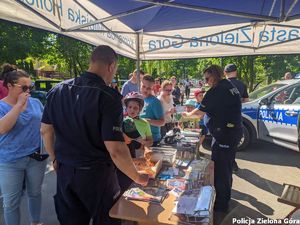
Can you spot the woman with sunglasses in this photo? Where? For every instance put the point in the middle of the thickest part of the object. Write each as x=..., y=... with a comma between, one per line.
x=222, y=104
x=166, y=100
x=20, y=119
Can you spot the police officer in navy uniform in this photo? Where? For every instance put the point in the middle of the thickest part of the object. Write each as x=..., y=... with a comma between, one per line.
x=81, y=129
x=230, y=72
x=222, y=104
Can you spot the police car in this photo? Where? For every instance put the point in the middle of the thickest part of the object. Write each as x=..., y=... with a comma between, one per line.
x=272, y=114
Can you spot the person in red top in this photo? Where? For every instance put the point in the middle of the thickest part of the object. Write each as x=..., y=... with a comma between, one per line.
x=3, y=90
x=156, y=87
x=5, y=68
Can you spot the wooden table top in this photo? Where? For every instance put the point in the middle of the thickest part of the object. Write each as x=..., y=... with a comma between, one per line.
x=152, y=213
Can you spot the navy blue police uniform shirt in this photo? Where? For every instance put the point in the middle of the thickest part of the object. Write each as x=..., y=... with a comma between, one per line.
x=222, y=104
x=240, y=86
x=84, y=112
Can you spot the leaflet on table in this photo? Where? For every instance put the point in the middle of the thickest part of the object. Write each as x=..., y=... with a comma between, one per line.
x=171, y=171
x=178, y=183
x=182, y=163
x=195, y=203
x=205, y=199
x=148, y=194
x=199, y=164
x=186, y=133
x=176, y=192
x=189, y=141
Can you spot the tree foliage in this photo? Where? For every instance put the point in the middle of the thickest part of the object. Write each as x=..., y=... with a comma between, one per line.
x=18, y=42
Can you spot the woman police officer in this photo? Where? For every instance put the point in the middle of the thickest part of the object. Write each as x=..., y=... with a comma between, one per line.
x=222, y=104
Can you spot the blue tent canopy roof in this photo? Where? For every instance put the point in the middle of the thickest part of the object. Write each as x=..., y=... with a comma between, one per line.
x=163, y=17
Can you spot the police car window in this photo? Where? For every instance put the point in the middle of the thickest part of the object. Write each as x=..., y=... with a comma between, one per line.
x=263, y=91
x=290, y=95
x=296, y=96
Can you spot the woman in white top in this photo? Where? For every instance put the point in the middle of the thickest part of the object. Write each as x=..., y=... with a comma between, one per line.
x=166, y=100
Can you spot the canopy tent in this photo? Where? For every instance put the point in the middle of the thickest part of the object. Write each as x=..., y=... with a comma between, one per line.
x=168, y=29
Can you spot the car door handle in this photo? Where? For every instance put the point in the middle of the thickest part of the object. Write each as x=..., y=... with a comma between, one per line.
x=291, y=113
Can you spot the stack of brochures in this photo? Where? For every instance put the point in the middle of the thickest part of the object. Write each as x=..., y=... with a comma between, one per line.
x=195, y=203
x=147, y=194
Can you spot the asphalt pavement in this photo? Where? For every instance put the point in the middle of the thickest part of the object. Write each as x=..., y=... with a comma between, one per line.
x=263, y=168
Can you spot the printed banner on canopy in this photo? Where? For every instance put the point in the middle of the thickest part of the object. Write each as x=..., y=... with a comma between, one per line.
x=65, y=14
x=230, y=40
x=212, y=41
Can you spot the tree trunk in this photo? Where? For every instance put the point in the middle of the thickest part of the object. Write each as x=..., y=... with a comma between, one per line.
x=251, y=72
x=80, y=66
x=70, y=69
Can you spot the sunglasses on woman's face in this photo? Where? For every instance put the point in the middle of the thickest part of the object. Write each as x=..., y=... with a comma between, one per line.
x=25, y=87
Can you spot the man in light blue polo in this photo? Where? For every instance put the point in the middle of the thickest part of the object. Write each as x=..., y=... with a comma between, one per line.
x=132, y=84
x=153, y=111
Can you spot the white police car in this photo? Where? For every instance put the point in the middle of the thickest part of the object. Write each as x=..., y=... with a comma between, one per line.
x=272, y=114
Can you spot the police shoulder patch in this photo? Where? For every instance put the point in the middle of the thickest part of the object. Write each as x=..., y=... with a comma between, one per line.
x=118, y=129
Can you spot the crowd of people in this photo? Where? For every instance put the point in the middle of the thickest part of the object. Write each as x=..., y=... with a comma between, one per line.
x=82, y=129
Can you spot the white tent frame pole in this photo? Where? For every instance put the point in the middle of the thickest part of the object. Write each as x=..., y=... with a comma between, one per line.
x=270, y=13
x=212, y=10
x=282, y=6
x=274, y=44
x=290, y=9
x=116, y=16
x=176, y=5
x=104, y=25
x=272, y=7
x=293, y=17
x=103, y=31
x=62, y=30
x=284, y=25
x=138, y=60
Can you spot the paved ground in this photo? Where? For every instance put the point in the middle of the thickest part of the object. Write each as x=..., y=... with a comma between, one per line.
x=264, y=168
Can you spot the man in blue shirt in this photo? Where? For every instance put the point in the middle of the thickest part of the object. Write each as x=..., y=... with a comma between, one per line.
x=153, y=110
x=131, y=85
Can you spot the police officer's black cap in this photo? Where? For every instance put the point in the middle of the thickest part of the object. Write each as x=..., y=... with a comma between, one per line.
x=230, y=68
